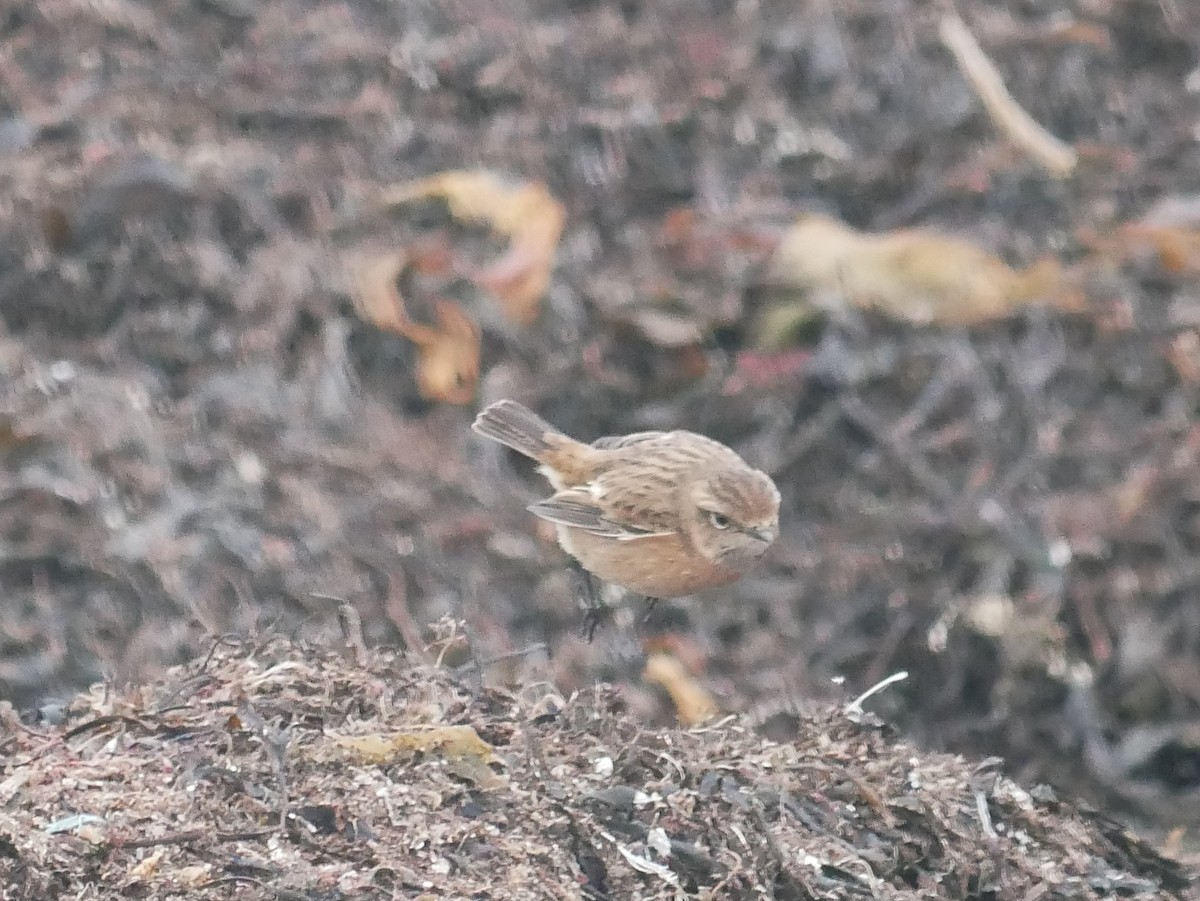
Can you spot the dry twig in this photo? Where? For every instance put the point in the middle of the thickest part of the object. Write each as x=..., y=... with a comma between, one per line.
x=1055, y=155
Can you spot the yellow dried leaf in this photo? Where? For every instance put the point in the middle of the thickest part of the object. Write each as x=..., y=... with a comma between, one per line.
x=371, y=748
x=448, y=368
x=524, y=212
x=193, y=876
x=92, y=834
x=146, y=868
x=693, y=705
x=466, y=754
x=911, y=274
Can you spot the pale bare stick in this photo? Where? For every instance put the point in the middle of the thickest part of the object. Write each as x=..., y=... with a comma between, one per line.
x=1017, y=125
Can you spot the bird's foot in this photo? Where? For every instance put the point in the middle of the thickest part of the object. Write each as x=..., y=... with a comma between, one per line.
x=595, y=611
x=651, y=603
x=592, y=618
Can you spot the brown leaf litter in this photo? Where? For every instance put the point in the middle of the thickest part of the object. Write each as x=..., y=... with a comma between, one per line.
x=524, y=212
x=909, y=274
x=448, y=367
x=272, y=771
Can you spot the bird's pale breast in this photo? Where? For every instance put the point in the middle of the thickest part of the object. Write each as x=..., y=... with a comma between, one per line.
x=661, y=566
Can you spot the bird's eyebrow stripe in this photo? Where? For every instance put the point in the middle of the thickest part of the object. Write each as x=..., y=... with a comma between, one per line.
x=726, y=490
x=732, y=490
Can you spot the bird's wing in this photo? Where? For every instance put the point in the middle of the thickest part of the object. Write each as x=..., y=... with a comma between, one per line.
x=612, y=442
x=577, y=508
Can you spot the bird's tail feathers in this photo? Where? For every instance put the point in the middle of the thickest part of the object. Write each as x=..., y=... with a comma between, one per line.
x=518, y=427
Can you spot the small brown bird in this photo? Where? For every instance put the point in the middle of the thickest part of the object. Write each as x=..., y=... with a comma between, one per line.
x=662, y=514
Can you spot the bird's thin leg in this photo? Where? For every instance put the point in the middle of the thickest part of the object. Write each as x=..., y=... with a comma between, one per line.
x=584, y=587
x=592, y=618
x=651, y=603
x=594, y=610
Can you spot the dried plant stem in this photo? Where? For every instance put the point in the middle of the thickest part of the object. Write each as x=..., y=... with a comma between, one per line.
x=1056, y=156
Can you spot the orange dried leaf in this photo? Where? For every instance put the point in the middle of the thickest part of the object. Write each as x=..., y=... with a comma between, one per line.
x=524, y=212
x=146, y=868
x=693, y=705
x=373, y=288
x=448, y=368
x=1169, y=231
x=1177, y=247
x=913, y=275
x=683, y=648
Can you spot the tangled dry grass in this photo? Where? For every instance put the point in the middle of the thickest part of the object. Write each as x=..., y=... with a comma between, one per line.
x=275, y=771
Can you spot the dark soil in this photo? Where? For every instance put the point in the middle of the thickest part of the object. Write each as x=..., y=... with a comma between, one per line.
x=198, y=435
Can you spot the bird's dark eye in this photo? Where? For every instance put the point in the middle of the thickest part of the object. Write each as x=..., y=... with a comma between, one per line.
x=718, y=520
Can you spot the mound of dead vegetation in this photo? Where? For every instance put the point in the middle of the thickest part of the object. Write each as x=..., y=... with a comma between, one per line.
x=276, y=771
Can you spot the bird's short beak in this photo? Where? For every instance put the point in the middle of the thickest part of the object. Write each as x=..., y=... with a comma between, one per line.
x=766, y=535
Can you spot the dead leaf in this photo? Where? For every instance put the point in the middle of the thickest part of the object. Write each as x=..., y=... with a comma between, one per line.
x=146, y=868
x=466, y=754
x=1177, y=247
x=193, y=876
x=914, y=275
x=448, y=369
x=693, y=705
x=1172, y=845
x=1183, y=352
x=1168, y=231
x=524, y=212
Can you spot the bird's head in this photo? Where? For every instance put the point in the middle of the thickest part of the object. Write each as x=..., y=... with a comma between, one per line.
x=731, y=516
